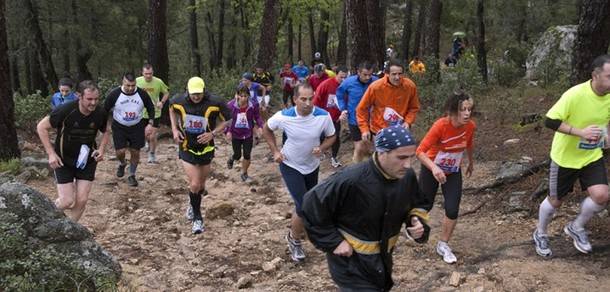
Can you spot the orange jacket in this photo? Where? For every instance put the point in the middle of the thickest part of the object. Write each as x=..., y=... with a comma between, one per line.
x=387, y=104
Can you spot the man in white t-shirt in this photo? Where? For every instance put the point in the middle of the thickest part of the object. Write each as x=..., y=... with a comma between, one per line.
x=299, y=158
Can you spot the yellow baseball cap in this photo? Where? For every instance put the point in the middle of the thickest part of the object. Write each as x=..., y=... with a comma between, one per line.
x=195, y=85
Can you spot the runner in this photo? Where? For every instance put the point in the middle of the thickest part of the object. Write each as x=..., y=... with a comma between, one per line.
x=318, y=76
x=154, y=87
x=356, y=215
x=74, y=156
x=265, y=79
x=441, y=152
x=301, y=70
x=197, y=117
x=64, y=94
x=256, y=90
x=129, y=128
x=326, y=99
x=243, y=115
x=289, y=81
x=389, y=101
x=417, y=67
x=349, y=94
x=299, y=159
x=580, y=121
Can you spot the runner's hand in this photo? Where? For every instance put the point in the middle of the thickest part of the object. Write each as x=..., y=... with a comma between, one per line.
x=178, y=137
x=148, y=130
x=343, y=116
x=229, y=136
x=591, y=133
x=469, y=169
x=366, y=136
x=98, y=155
x=160, y=104
x=439, y=175
x=417, y=229
x=278, y=157
x=316, y=151
x=152, y=133
x=55, y=161
x=344, y=249
x=406, y=126
x=205, y=138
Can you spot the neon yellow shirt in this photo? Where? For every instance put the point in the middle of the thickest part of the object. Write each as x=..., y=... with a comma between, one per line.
x=580, y=107
x=154, y=88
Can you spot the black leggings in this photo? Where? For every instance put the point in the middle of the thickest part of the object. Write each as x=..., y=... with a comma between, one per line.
x=452, y=191
x=337, y=144
x=238, y=144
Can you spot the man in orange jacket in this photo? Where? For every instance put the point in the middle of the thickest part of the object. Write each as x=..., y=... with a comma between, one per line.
x=388, y=101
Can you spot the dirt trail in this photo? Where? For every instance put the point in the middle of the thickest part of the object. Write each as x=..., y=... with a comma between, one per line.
x=145, y=229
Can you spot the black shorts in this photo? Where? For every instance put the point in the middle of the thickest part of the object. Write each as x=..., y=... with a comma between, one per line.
x=354, y=131
x=191, y=158
x=129, y=137
x=287, y=96
x=561, y=179
x=67, y=174
x=157, y=122
x=452, y=191
x=239, y=144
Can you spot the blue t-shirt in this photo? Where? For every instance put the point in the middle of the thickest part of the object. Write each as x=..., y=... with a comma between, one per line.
x=350, y=93
x=57, y=99
x=301, y=71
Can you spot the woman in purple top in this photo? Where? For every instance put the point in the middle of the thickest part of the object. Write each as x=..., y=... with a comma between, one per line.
x=243, y=115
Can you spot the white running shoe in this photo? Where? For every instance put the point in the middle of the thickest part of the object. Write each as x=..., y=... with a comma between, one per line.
x=542, y=244
x=295, y=247
x=197, y=227
x=445, y=251
x=581, y=240
x=189, y=213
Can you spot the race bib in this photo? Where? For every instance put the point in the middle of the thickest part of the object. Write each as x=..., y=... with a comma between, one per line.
x=287, y=80
x=449, y=162
x=241, y=122
x=195, y=124
x=392, y=117
x=590, y=144
x=332, y=101
x=130, y=116
x=252, y=94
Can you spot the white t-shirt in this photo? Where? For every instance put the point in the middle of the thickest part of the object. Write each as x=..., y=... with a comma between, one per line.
x=303, y=135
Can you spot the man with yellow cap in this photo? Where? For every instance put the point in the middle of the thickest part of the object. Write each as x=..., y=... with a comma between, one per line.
x=197, y=117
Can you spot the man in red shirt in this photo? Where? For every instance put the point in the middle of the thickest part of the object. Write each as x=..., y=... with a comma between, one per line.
x=289, y=81
x=325, y=98
x=317, y=77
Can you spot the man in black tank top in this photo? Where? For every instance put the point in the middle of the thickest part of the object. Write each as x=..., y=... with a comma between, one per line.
x=75, y=154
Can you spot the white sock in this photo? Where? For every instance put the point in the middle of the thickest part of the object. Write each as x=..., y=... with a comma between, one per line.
x=588, y=208
x=545, y=215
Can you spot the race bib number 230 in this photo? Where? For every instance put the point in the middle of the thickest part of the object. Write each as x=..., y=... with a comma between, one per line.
x=449, y=162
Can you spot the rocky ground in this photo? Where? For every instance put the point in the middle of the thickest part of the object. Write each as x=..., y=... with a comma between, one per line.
x=243, y=246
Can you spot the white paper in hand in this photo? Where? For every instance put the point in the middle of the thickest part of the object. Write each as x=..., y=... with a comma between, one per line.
x=83, y=156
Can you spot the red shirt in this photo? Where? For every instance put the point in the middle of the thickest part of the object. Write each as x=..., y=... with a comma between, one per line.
x=288, y=79
x=315, y=81
x=326, y=99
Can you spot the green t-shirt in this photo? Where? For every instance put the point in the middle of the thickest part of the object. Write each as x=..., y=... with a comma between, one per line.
x=580, y=107
x=154, y=88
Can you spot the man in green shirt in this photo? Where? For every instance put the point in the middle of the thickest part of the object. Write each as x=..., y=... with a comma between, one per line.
x=154, y=87
x=580, y=119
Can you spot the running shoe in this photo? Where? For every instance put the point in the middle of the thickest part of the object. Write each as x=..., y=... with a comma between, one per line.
x=197, y=227
x=445, y=251
x=189, y=213
x=230, y=163
x=334, y=162
x=120, y=172
x=152, y=159
x=295, y=247
x=542, y=244
x=581, y=241
x=132, y=181
x=245, y=178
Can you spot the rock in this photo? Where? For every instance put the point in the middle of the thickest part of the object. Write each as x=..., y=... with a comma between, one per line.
x=36, y=162
x=220, y=272
x=481, y=271
x=603, y=214
x=454, y=279
x=510, y=142
x=552, y=53
x=530, y=118
x=27, y=146
x=479, y=289
x=515, y=202
x=271, y=265
x=24, y=176
x=244, y=282
x=220, y=210
x=510, y=170
x=30, y=224
x=249, y=202
x=526, y=159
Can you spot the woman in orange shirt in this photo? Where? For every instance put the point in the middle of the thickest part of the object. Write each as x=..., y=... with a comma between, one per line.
x=441, y=152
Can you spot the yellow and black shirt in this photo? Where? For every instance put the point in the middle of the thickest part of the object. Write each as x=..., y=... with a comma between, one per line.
x=199, y=118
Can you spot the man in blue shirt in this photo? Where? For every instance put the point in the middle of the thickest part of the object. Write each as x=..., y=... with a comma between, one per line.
x=349, y=94
x=301, y=70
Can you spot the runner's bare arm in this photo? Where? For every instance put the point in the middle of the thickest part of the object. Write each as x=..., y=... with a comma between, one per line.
x=470, y=167
x=178, y=137
x=270, y=138
x=43, y=128
x=437, y=172
x=99, y=153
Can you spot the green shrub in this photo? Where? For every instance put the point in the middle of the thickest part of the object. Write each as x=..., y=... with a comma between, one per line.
x=12, y=166
x=29, y=110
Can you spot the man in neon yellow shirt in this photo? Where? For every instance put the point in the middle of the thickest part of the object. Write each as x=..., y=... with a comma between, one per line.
x=580, y=118
x=154, y=87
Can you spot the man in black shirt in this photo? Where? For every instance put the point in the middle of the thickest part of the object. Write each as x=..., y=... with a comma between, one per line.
x=74, y=156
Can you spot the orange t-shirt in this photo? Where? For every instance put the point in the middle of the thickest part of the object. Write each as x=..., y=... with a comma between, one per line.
x=448, y=143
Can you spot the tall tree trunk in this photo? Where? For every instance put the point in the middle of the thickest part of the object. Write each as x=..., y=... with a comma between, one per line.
x=232, y=47
x=376, y=24
x=8, y=134
x=221, y=32
x=521, y=31
x=194, y=39
x=421, y=18
x=342, y=47
x=481, y=51
x=211, y=40
x=433, y=38
x=323, y=35
x=245, y=31
x=268, y=38
x=299, y=43
x=65, y=51
x=83, y=53
x=29, y=83
x=40, y=45
x=290, y=38
x=592, y=38
x=357, y=31
x=312, y=34
x=38, y=81
x=14, y=75
x=406, y=29
x=157, y=38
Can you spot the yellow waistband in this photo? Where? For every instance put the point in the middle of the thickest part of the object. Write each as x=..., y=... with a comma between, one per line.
x=367, y=247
